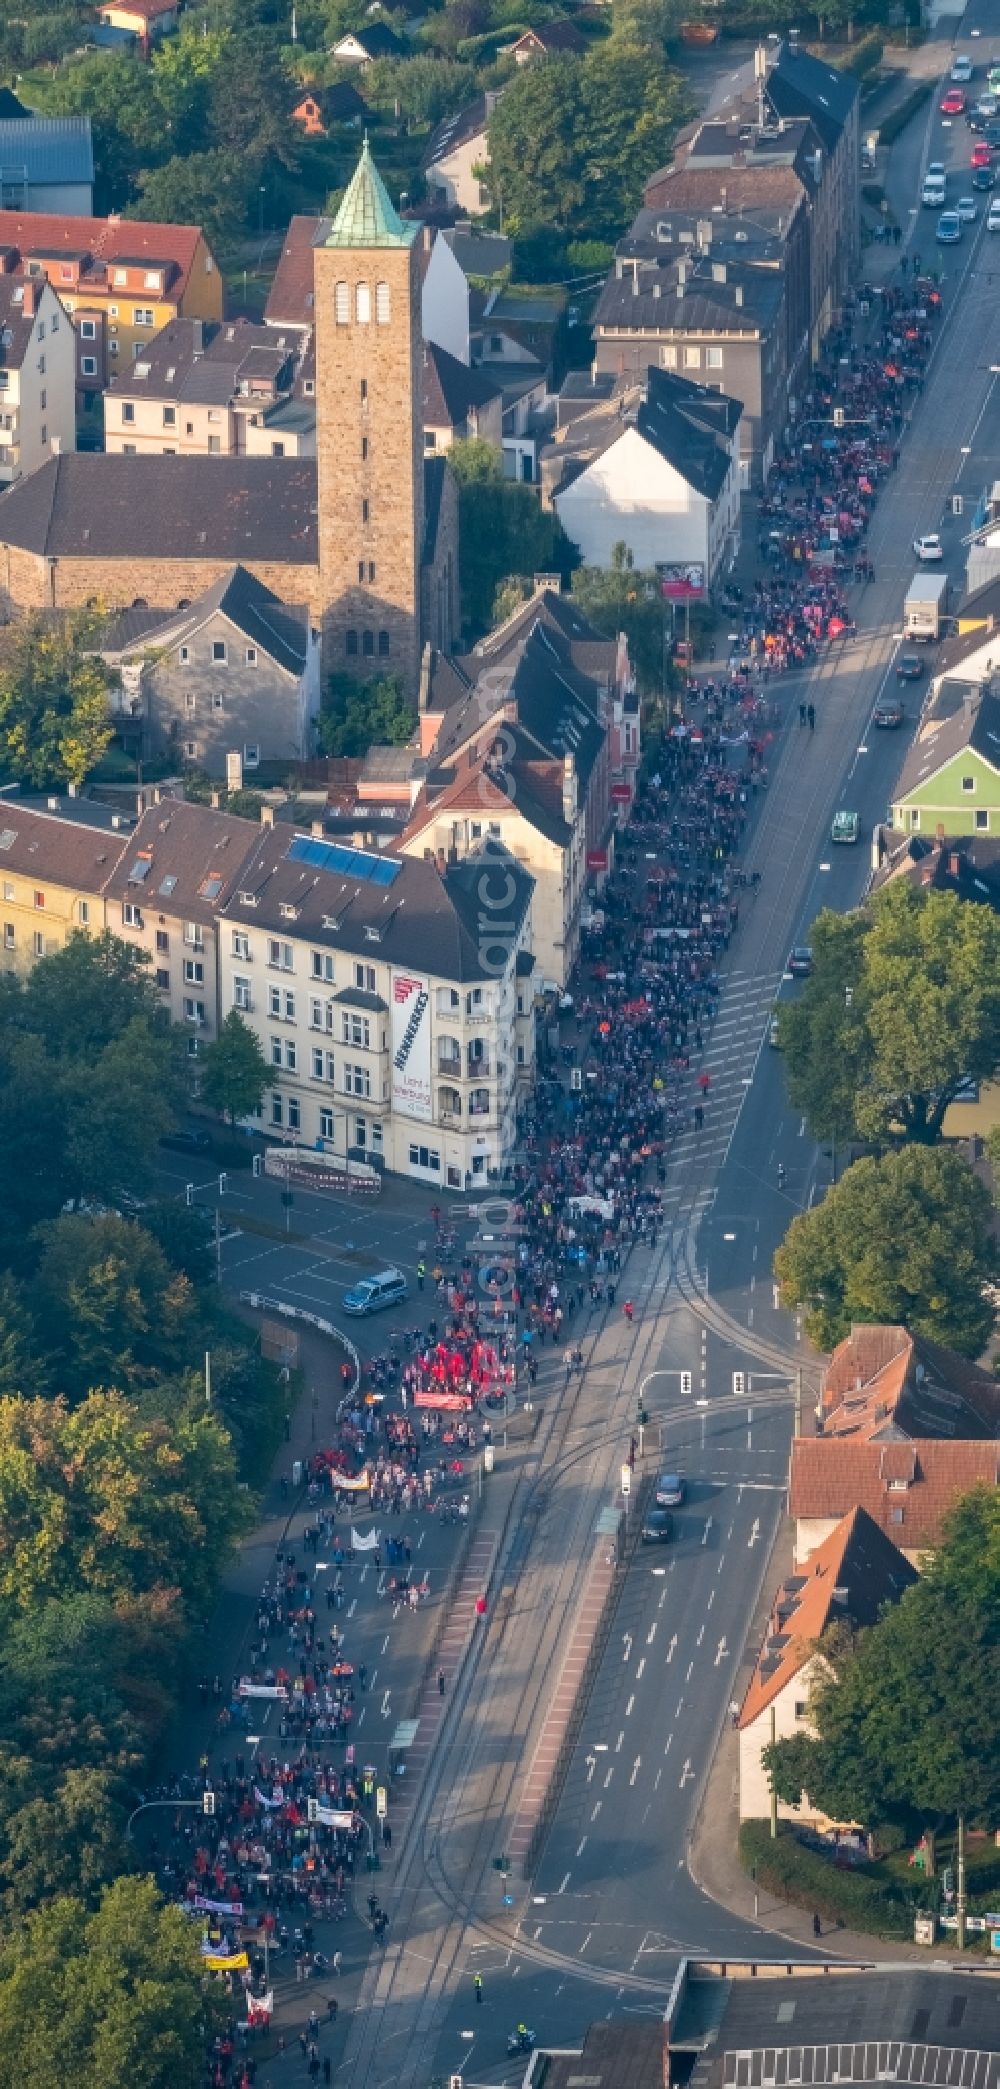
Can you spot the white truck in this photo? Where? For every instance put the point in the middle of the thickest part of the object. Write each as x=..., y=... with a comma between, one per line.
x=925, y=607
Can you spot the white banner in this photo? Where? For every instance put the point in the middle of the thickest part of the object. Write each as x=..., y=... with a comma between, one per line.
x=328, y=1819
x=216, y=1907
x=348, y=1485
x=247, y=1689
x=263, y=1800
x=366, y=1544
x=411, y=1047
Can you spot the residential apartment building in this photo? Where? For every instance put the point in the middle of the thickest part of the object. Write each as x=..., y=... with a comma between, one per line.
x=950, y=780
x=455, y=162
x=37, y=391
x=121, y=280
x=53, y=870
x=848, y=1580
x=458, y=403
x=654, y=467
x=907, y=1487
x=392, y=1001
x=227, y=390
x=164, y=895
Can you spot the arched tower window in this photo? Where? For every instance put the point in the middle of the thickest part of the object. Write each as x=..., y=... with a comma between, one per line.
x=342, y=304
x=383, y=304
x=362, y=303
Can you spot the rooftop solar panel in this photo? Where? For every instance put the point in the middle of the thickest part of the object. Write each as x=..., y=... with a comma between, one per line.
x=351, y=863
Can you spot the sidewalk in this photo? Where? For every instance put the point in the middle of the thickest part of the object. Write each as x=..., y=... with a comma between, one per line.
x=713, y=1860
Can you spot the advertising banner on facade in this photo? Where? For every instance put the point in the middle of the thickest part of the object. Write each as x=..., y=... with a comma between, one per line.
x=682, y=583
x=411, y=1047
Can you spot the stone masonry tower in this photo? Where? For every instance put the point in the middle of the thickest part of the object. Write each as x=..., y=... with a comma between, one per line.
x=369, y=434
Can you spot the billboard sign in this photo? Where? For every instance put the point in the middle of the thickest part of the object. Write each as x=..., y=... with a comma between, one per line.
x=411, y=1047
x=685, y=583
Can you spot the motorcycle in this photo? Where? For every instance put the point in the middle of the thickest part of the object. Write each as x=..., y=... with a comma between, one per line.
x=521, y=2042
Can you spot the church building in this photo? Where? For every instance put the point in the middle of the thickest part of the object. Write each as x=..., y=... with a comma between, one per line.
x=364, y=538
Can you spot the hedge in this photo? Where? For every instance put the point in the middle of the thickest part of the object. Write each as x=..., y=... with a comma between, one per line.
x=854, y=1897
x=899, y=117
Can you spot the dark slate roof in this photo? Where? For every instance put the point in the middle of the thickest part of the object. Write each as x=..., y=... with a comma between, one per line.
x=453, y=131
x=452, y=390
x=691, y=428
x=336, y=104
x=974, y=725
x=183, y=857
x=205, y=364
x=420, y=920
x=754, y=237
x=278, y=629
x=16, y=326
x=95, y=506
x=748, y=301
x=478, y=253
x=378, y=39
x=560, y=35
x=927, y=2011
x=49, y=150
x=966, y=864
x=78, y=851
x=11, y=110
x=359, y=997
x=800, y=85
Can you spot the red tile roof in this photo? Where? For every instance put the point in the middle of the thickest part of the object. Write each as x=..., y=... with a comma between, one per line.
x=851, y=1576
x=883, y=1382
x=830, y=1475
x=103, y=239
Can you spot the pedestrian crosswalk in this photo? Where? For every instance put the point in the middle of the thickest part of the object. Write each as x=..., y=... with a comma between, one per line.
x=732, y=1049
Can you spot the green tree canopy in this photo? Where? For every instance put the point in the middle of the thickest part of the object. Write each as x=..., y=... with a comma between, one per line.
x=234, y=1071
x=99, y=1497
x=906, y=1714
x=212, y=189
x=905, y=1239
x=123, y=1315
x=503, y=530
x=902, y=1008
x=622, y=599
x=426, y=88
x=358, y=715
x=572, y=141
x=55, y=716
x=111, y=2000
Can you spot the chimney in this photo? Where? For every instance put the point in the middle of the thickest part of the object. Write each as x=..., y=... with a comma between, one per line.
x=738, y=293
x=29, y=298
x=267, y=815
x=718, y=271
x=491, y=98
x=316, y=830
x=197, y=337
x=704, y=232
x=939, y=832
x=427, y=237
x=954, y=864
x=215, y=800
x=569, y=794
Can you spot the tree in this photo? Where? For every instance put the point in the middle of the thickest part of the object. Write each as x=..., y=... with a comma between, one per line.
x=648, y=24
x=624, y=600
x=358, y=715
x=426, y=88
x=572, y=141
x=86, y=996
x=234, y=1071
x=20, y=1370
x=55, y=717
x=101, y=1498
x=905, y=1239
x=119, y=1315
x=210, y=189
x=118, y=93
x=906, y=1713
x=903, y=1007
x=111, y=2000
x=503, y=530
x=184, y=1233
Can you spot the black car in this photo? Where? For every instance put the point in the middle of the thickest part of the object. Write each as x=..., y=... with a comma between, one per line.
x=190, y=1139
x=657, y=1527
x=889, y=712
x=909, y=667
x=983, y=178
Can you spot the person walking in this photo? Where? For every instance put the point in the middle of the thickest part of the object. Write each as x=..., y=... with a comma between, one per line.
x=421, y=1273
x=811, y=715
x=477, y=1982
x=440, y=1682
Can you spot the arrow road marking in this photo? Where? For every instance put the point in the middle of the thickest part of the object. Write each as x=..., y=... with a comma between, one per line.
x=670, y=1649
x=708, y=1527
x=627, y=1636
x=723, y=1651
x=636, y=1767
x=591, y=1761
x=385, y=1704
x=754, y=1533
x=687, y=1773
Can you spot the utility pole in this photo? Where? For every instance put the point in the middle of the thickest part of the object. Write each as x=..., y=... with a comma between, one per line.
x=208, y=1378
x=960, y=1882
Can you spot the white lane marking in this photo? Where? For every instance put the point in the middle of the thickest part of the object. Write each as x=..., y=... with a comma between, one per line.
x=754, y=1533
x=609, y=1776
x=636, y=1767
x=670, y=1649
x=618, y=1743
x=638, y=1673
x=656, y=1779
x=667, y=1748
x=711, y=1598
x=707, y=1528
x=628, y=1708
x=385, y=1642
x=687, y=1678
x=565, y=1883
x=700, y=1637
x=583, y=1845
x=627, y=1636
x=586, y=1940
x=651, y=1634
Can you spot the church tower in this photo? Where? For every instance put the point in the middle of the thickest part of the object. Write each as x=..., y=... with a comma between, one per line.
x=369, y=433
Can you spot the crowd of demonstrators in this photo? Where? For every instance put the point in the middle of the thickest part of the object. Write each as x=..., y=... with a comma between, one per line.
x=621, y=1076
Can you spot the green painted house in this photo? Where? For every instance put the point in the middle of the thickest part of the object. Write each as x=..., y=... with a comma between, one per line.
x=950, y=779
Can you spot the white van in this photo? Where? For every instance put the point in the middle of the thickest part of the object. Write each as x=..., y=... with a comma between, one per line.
x=932, y=194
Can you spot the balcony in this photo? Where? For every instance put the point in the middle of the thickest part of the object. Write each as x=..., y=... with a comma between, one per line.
x=449, y=1105
x=480, y=1103
x=479, y=1063
x=449, y=1061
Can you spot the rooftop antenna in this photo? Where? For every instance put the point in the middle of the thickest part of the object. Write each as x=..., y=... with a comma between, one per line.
x=760, y=75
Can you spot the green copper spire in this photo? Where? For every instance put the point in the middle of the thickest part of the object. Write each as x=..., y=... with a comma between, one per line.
x=367, y=217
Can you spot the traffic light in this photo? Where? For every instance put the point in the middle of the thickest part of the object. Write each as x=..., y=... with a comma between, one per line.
x=739, y=1383
x=501, y=1864
x=687, y=1381
x=223, y=1179
x=312, y=1809
x=258, y=1164
x=838, y=416
x=189, y=1193
x=208, y=1802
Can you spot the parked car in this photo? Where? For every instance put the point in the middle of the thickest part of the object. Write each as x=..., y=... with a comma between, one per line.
x=889, y=712
x=909, y=667
x=187, y=1139
x=846, y=826
x=657, y=1527
x=928, y=549
x=949, y=229
x=774, y=1034
x=388, y=1288
x=800, y=961
x=670, y=1490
